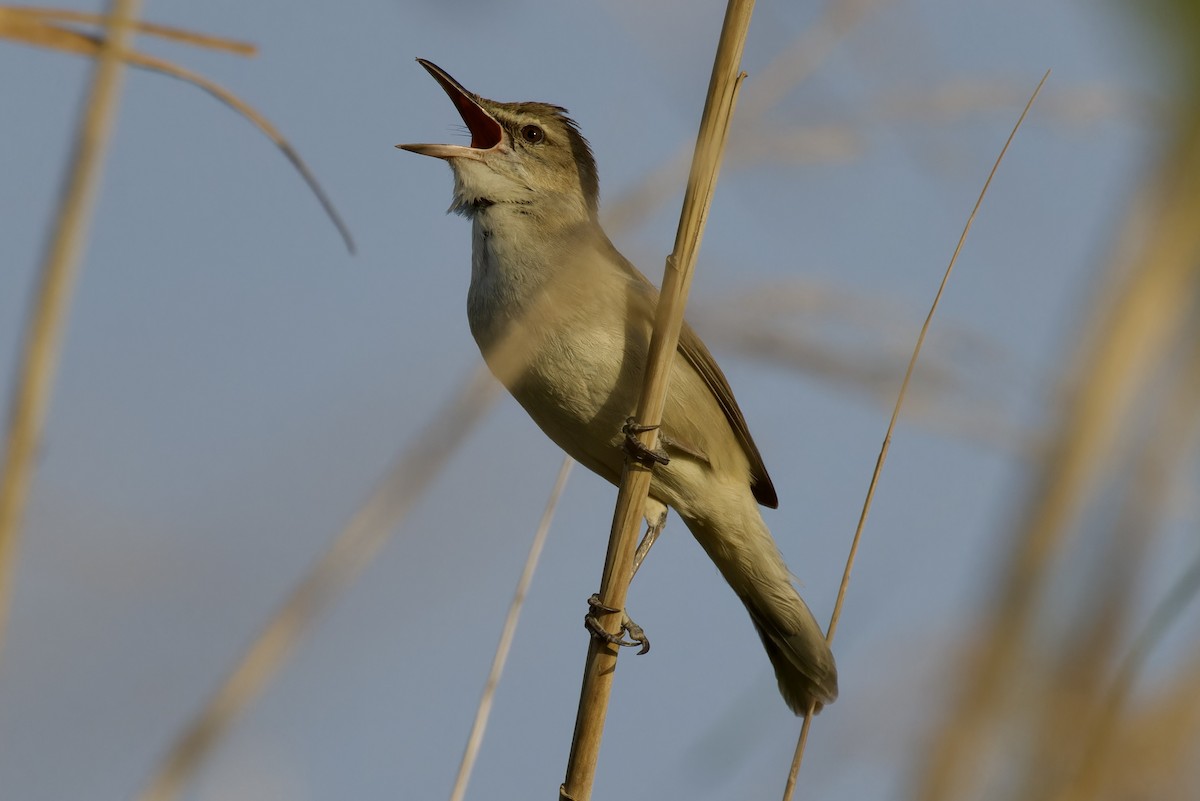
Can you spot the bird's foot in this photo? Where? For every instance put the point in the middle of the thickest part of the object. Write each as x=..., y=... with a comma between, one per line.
x=637, y=636
x=636, y=449
x=653, y=529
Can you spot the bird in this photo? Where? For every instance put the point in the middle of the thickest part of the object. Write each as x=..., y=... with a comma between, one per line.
x=545, y=275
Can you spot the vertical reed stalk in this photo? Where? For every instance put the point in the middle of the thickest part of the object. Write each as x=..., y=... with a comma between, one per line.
x=797, y=759
x=48, y=316
x=635, y=480
x=507, y=634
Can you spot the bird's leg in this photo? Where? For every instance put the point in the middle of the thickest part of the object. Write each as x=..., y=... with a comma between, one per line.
x=637, y=637
x=653, y=529
x=636, y=450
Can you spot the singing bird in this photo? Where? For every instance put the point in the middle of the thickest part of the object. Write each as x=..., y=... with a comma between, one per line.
x=544, y=274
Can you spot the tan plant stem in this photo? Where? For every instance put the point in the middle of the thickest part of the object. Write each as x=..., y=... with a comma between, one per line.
x=30, y=27
x=635, y=481
x=479, y=727
x=47, y=321
x=16, y=16
x=351, y=551
x=790, y=787
x=1147, y=303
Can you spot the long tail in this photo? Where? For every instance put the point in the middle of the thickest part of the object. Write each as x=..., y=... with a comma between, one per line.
x=747, y=557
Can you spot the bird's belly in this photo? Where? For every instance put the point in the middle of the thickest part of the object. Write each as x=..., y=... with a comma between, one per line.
x=582, y=359
x=579, y=389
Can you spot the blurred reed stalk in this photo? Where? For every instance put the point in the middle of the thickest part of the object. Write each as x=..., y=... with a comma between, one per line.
x=635, y=479
x=789, y=69
x=265, y=657
x=366, y=532
x=507, y=633
x=369, y=528
x=1049, y=696
x=797, y=759
x=44, y=331
x=48, y=318
x=54, y=29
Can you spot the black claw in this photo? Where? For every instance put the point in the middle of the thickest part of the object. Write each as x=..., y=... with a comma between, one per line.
x=637, y=450
x=637, y=636
x=593, y=625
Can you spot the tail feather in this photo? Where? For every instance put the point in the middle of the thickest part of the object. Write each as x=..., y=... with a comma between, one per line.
x=744, y=551
x=803, y=663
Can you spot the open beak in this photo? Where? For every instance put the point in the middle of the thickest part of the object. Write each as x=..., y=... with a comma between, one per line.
x=486, y=133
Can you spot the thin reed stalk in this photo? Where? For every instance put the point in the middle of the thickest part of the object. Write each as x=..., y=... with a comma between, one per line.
x=1145, y=307
x=797, y=759
x=484, y=710
x=26, y=17
x=40, y=28
x=47, y=322
x=350, y=552
x=635, y=480
x=786, y=71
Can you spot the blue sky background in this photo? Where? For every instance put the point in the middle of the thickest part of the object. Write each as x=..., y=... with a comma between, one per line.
x=233, y=384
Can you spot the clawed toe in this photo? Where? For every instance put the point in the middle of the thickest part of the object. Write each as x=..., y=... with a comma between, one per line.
x=637, y=635
x=637, y=450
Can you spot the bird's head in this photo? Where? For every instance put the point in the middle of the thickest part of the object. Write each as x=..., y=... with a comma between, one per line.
x=527, y=154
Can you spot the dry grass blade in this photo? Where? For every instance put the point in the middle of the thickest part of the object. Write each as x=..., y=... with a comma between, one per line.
x=1085, y=720
x=1078, y=709
x=340, y=565
x=635, y=480
x=14, y=17
x=260, y=122
x=1099, y=744
x=350, y=552
x=1145, y=309
x=47, y=321
x=27, y=29
x=479, y=726
x=1157, y=745
x=790, y=787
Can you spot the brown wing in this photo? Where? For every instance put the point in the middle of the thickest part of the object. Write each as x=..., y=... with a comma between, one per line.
x=697, y=355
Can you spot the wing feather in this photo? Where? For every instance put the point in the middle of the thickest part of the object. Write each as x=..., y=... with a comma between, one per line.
x=693, y=349
x=701, y=360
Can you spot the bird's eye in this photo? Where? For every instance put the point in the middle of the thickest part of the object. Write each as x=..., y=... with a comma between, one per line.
x=532, y=134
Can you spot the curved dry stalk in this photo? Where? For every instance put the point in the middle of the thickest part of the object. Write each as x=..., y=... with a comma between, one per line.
x=27, y=29
x=479, y=726
x=16, y=15
x=337, y=568
x=47, y=320
x=635, y=479
x=263, y=125
x=340, y=565
x=1144, y=308
x=790, y=787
